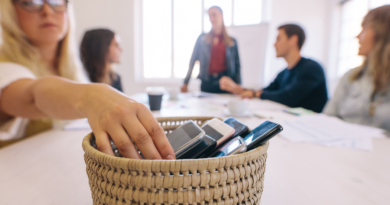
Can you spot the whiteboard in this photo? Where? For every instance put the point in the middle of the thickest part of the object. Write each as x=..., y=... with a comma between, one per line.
x=252, y=43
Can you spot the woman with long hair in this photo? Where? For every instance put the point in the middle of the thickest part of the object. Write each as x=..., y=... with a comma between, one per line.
x=363, y=94
x=99, y=50
x=41, y=78
x=217, y=53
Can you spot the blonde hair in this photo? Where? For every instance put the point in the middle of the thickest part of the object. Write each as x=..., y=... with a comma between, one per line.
x=17, y=48
x=210, y=35
x=378, y=61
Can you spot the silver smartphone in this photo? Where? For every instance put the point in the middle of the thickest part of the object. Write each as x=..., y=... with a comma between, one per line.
x=185, y=137
x=235, y=146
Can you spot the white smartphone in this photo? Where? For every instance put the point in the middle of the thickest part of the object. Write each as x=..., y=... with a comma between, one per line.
x=218, y=130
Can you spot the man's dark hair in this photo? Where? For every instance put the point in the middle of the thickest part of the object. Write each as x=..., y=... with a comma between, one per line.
x=293, y=29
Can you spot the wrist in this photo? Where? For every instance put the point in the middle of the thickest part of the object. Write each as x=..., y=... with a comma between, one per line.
x=239, y=90
x=86, y=93
x=257, y=94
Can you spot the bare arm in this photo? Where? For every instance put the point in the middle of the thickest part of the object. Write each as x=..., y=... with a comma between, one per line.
x=227, y=84
x=110, y=113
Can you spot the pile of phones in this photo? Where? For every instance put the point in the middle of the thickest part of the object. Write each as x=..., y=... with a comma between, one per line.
x=218, y=138
x=215, y=138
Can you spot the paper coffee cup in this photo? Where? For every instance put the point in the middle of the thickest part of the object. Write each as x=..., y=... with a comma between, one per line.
x=155, y=95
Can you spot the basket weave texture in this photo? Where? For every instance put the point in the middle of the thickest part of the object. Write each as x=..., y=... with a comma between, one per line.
x=237, y=179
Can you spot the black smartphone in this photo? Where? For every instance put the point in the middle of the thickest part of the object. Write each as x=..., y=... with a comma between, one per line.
x=262, y=134
x=185, y=137
x=205, y=146
x=234, y=146
x=241, y=128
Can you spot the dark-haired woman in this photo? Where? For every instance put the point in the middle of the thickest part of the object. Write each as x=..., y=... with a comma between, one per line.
x=100, y=49
x=217, y=53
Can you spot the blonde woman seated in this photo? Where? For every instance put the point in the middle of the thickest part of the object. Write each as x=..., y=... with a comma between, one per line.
x=41, y=75
x=363, y=94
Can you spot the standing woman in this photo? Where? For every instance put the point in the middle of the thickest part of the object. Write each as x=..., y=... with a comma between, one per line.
x=99, y=50
x=40, y=77
x=217, y=53
x=363, y=94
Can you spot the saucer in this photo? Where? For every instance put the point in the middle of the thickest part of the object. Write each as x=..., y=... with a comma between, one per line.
x=247, y=113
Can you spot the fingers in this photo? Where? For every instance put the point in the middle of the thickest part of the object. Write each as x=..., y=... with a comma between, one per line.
x=157, y=134
x=123, y=142
x=227, y=84
x=247, y=94
x=184, y=89
x=103, y=142
x=222, y=84
x=142, y=139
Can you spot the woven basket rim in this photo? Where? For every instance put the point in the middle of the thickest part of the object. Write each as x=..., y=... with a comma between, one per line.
x=154, y=165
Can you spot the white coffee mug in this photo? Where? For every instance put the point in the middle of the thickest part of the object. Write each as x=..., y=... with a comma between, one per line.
x=238, y=107
x=173, y=93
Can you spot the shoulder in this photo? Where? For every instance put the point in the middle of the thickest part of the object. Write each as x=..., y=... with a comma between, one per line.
x=311, y=65
x=283, y=72
x=347, y=76
x=234, y=41
x=307, y=62
x=8, y=69
x=12, y=72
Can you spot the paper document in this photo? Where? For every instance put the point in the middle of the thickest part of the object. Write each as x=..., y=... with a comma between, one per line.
x=81, y=124
x=329, y=131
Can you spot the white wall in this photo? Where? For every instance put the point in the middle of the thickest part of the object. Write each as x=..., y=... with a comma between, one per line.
x=314, y=15
x=252, y=41
x=118, y=16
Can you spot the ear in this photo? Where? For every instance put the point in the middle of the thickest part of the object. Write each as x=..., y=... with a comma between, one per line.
x=294, y=40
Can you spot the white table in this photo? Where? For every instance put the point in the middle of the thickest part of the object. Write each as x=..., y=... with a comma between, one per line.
x=50, y=169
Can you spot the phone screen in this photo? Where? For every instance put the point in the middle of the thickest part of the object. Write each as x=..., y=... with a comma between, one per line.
x=183, y=135
x=259, y=132
x=212, y=132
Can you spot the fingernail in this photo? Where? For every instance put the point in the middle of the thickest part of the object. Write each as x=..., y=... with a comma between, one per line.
x=170, y=157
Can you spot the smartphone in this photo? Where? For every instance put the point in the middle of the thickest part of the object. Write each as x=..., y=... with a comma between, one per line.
x=262, y=134
x=218, y=130
x=235, y=146
x=205, y=146
x=240, y=128
x=113, y=146
x=185, y=137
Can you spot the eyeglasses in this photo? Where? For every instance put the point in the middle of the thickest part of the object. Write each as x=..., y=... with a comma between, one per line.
x=37, y=5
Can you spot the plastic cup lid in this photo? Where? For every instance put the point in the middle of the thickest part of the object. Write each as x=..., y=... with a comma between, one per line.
x=155, y=90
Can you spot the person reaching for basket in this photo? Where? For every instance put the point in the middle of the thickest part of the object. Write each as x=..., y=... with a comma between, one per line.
x=41, y=77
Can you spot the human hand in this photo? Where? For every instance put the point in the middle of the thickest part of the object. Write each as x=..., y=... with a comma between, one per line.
x=251, y=94
x=184, y=88
x=227, y=84
x=115, y=116
x=247, y=94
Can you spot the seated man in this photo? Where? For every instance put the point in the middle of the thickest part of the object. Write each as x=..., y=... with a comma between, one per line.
x=301, y=84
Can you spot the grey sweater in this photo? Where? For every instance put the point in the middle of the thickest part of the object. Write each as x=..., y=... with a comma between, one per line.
x=352, y=99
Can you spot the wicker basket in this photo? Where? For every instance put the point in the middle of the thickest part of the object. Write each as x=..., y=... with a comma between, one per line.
x=237, y=179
